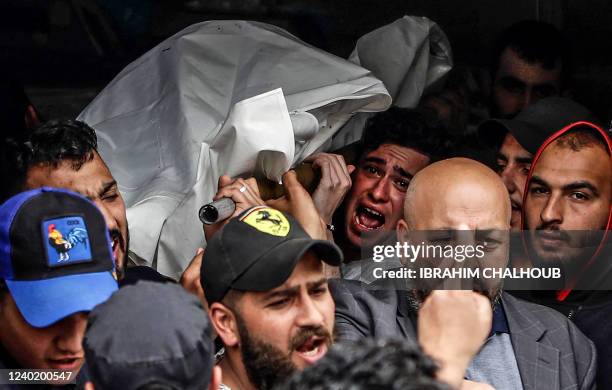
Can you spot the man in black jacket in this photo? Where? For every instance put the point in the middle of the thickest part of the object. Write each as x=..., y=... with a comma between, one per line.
x=568, y=215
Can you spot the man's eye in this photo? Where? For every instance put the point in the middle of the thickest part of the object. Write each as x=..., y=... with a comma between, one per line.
x=489, y=244
x=538, y=190
x=580, y=196
x=318, y=291
x=525, y=170
x=500, y=166
x=512, y=87
x=440, y=240
x=371, y=170
x=402, y=184
x=279, y=303
x=110, y=197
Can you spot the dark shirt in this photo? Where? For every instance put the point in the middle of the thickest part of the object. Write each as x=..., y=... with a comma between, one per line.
x=142, y=272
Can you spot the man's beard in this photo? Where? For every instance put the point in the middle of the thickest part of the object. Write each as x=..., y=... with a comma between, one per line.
x=266, y=365
x=122, y=265
x=579, y=247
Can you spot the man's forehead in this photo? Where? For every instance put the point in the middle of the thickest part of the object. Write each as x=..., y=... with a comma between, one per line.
x=512, y=65
x=468, y=218
x=511, y=147
x=407, y=158
x=91, y=178
x=465, y=207
x=560, y=165
x=307, y=271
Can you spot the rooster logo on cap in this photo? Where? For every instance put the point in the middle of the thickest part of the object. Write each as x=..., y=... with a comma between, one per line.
x=63, y=245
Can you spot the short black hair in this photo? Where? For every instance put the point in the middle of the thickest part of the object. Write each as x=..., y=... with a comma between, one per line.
x=419, y=129
x=581, y=137
x=51, y=144
x=62, y=140
x=535, y=42
x=370, y=364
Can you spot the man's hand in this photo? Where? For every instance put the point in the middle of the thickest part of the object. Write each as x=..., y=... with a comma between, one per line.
x=243, y=192
x=452, y=327
x=190, y=279
x=334, y=184
x=299, y=204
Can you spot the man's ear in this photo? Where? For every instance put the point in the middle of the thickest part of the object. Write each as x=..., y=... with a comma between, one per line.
x=89, y=386
x=215, y=378
x=224, y=322
x=32, y=120
x=402, y=231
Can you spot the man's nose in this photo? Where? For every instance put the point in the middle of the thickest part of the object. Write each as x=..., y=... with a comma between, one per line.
x=309, y=314
x=552, y=211
x=508, y=178
x=71, y=332
x=380, y=191
x=111, y=222
x=528, y=99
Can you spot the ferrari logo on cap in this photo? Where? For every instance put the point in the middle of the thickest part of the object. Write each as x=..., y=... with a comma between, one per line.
x=268, y=221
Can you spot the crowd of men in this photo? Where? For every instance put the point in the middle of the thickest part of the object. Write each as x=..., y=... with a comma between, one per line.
x=281, y=297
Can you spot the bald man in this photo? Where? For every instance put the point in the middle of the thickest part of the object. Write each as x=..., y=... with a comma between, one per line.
x=529, y=346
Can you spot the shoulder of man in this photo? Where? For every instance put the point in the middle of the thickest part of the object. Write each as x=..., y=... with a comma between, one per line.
x=546, y=326
x=362, y=312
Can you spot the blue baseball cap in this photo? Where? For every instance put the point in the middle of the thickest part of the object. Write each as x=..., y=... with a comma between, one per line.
x=55, y=254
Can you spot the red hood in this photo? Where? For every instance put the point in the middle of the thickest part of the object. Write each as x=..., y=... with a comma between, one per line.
x=562, y=294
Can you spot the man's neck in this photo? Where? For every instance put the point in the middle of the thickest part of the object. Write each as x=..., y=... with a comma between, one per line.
x=350, y=251
x=234, y=374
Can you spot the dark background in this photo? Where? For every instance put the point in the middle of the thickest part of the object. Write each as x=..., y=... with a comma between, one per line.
x=65, y=51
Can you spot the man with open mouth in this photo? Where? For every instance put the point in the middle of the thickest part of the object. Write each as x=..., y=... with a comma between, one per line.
x=396, y=144
x=56, y=265
x=63, y=154
x=263, y=278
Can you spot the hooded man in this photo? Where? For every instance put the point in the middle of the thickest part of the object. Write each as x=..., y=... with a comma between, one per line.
x=568, y=216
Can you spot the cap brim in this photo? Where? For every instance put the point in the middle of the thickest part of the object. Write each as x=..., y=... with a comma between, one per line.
x=493, y=131
x=44, y=302
x=275, y=266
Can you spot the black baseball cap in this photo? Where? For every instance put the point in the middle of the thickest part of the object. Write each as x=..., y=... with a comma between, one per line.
x=257, y=251
x=149, y=333
x=55, y=254
x=532, y=126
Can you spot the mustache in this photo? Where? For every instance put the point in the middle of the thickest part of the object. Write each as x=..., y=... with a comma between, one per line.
x=306, y=333
x=552, y=231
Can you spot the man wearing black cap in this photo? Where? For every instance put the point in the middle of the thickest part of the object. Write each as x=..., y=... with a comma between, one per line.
x=165, y=339
x=269, y=301
x=516, y=141
x=56, y=264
